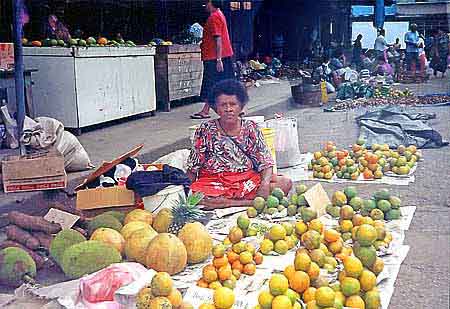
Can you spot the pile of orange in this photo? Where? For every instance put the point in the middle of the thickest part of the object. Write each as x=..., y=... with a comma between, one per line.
x=228, y=265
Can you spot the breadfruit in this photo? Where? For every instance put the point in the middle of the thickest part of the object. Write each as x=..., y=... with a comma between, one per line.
x=88, y=257
x=62, y=241
x=116, y=214
x=16, y=266
x=104, y=220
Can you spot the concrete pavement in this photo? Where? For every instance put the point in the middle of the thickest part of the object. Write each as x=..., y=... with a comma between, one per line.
x=423, y=280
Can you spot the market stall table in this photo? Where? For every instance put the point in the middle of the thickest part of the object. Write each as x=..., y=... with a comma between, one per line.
x=82, y=87
x=179, y=71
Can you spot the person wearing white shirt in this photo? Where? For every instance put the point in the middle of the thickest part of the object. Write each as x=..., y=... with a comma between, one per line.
x=380, y=44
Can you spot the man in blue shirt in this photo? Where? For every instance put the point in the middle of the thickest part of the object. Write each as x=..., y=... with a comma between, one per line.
x=412, y=49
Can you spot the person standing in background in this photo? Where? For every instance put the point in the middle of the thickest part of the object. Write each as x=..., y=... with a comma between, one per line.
x=380, y=44
x=56, y=29
x=357, y=49
x=216, y=52
x=412, y=49
x=422, y=58
x=441, y=52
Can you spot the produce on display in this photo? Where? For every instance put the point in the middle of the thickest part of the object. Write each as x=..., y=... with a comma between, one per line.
x=160, y=293
x=89, y=42
x=87, y=257
x=409, y=100
x=197, y=241
x=278, y=205
x=184, y=211
x=137, y=215
x=110, y=237
x=229, y=264
x=166, y=253
x=136, y=244
x=223, y=298
x=279, y=239
x=33, y=223
x=104, y=220
x=38, y=259
x=62, y=241
x=371, y=164
x=16, y=267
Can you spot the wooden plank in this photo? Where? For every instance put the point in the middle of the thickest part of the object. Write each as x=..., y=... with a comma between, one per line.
x=185, y=76
x=193, y=67
x=184, y=84
x=176, y=48
x=185, y=93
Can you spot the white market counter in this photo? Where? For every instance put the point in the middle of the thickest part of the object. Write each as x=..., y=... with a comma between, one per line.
x=86, y=86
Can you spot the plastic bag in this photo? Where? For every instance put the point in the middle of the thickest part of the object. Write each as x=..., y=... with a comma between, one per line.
x=11, y=128
x=176, y=159
x=101, y=286
x=286, y=141
x=196, y=30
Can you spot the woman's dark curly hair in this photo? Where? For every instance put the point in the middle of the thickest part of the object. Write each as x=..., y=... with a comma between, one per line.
x=228, y=87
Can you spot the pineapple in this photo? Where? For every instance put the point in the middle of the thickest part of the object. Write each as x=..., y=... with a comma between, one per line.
x=184, y=211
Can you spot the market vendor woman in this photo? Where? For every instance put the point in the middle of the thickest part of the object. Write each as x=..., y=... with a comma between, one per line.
x=56, y=29
x=230, y=162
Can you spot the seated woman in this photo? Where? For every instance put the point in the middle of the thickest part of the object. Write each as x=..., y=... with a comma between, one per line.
x=230, y=162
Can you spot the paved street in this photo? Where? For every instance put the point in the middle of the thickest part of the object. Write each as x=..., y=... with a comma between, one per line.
x=423, y=281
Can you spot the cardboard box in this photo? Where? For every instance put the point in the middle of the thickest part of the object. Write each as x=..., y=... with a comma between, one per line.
x=6, y=56
x=40, y=171
x=105, y=197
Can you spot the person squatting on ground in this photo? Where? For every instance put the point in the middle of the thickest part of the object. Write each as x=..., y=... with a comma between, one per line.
x=230, y=162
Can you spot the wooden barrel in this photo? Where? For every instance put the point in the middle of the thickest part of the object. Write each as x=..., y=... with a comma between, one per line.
x=306, y=94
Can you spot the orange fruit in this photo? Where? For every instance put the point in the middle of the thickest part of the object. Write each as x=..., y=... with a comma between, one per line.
x=224, y=273
x=245, y=257
x=236, y=273
x=175, y=298
x=368, y=174
x=335, y=247
x=220, y=262
x=353, y=267
x=302, y=261
x=223, y=298
x=289, y=271
x=355, y=301
x=214, y=285
x=232, y=256
x=218, y=250
x=325, y=297
x=299, y=281
x=309, y=294
x=314, y=271
x=331, y=235
x=209, y=274
x=326, y=169
x=202, y=283
x=258, y=258
x=207, y=306
x=249, y=269
x=237, y=265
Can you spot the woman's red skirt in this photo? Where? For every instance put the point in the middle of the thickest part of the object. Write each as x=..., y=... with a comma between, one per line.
x=230, y=185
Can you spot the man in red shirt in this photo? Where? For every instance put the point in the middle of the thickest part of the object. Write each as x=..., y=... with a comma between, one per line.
x=217, y=54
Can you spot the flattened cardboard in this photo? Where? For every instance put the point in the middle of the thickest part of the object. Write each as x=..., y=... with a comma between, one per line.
x=104, y=198
x=63, y=218
x=317, y=199
x=40, y=171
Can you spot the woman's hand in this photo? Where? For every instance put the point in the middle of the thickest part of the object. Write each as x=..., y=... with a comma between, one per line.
x=219, y=65
x=264, y=189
